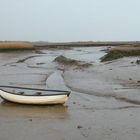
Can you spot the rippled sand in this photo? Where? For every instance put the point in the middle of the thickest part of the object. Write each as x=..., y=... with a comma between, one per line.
x=104, y=103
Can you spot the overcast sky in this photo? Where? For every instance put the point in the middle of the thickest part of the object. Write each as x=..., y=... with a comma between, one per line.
x=70, y=20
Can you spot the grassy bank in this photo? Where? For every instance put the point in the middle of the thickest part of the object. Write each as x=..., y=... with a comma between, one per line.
x=9, y=46
x=120, y=52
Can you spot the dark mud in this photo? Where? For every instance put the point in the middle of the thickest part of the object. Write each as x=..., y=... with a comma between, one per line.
x=71, y=62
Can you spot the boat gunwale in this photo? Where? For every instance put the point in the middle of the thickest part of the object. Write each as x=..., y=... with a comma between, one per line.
x=62, y=91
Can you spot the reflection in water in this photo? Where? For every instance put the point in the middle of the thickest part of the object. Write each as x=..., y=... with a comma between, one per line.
x=8, y=109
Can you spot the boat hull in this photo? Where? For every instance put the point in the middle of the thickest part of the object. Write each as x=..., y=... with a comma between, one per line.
x=42, y=100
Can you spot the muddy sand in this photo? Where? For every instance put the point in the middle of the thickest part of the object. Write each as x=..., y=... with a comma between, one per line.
x=104, y=102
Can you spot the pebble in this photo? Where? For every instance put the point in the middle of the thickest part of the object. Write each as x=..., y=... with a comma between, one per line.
x=30, y=120
x=79, y=126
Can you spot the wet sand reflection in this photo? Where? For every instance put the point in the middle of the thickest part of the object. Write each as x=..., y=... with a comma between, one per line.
x=8, y=109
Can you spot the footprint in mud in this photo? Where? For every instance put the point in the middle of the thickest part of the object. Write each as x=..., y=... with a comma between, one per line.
x=84, y=131
x=40, y=63
x=13, y=65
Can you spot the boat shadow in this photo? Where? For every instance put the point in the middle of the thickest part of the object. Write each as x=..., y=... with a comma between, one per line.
x=33, y=111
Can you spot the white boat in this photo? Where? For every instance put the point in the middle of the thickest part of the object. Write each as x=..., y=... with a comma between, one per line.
x=33, y=96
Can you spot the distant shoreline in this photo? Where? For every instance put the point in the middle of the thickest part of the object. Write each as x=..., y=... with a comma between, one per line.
x=85, y=44
x=15, y=45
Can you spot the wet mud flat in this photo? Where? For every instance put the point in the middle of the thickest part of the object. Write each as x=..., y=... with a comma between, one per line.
x=104, y=101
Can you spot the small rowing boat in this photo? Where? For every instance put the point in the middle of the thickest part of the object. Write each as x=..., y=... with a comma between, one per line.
x=33, y=96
